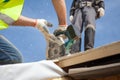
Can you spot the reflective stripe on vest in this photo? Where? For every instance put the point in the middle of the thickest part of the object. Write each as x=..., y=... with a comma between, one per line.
x=6, y=19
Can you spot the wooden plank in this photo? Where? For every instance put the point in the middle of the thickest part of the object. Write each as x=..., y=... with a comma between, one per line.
x=95, y=72
x=89, y=55
x=114, y=77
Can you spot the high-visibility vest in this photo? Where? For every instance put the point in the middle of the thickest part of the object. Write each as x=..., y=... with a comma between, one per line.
x=10, y=10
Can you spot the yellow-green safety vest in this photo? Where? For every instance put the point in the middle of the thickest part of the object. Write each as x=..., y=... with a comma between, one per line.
x=10, y=10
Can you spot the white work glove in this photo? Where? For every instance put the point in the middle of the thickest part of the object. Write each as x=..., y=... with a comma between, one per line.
x=59, y=29
x=71, y=18
x=62, y=28
x=42, y=25
x=101, y=12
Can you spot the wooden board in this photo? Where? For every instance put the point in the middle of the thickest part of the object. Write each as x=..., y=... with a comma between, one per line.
x=95, y=72
x=90, y=55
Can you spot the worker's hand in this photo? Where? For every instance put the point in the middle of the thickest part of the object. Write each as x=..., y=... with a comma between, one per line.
x=59, y=30
x=62, y=28
x=101, y=12
x=42, y=24
x=71, y=18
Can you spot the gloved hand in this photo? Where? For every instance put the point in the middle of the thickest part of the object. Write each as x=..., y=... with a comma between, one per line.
x=101, y=12
x=60, y=29
x=42, y=25
x=71, y=18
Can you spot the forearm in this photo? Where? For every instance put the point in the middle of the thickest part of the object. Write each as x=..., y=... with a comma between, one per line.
x=24, y=21
x=60, y=8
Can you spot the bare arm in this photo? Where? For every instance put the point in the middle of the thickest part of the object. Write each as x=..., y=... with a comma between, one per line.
x=60, y=8
x=24, y=21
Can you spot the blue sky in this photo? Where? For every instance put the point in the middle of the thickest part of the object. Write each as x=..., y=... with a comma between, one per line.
x=31, y=42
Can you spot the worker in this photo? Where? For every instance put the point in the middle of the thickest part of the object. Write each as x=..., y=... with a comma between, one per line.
x=83, y=14
x=10, y=15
